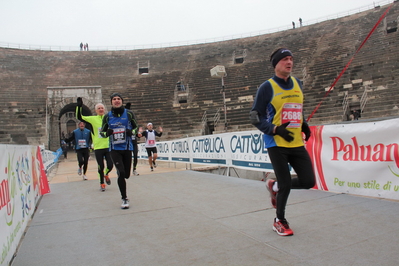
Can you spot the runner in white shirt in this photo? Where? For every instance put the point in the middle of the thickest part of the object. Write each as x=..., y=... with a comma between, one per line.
x=150, y=143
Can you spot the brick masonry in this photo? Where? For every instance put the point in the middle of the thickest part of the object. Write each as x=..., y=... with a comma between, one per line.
x=320, y=50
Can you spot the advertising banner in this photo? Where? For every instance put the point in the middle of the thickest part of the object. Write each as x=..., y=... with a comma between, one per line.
x=22, y=181
x=243, y=150
x=357, y=158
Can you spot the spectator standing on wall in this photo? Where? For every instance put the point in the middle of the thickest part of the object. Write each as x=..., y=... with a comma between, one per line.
x=300, y=22
x=150, y=143
x=87, y=46
x=356, y=114
x=351, y=117
x=82, y=138
x=180, y=86
x=81, y=46
x=293, y=25
x=100, y=144
x=119, y=125
x=277, y=112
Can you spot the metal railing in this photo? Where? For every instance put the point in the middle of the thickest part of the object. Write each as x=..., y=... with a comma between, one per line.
x=345, y=105
x=363, y=100
x=204, y=120
x=216, y=117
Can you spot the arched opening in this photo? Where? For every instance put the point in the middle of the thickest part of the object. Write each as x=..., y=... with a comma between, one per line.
x=68, y=121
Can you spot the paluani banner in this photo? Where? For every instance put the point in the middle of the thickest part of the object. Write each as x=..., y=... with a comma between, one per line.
x=357, y=158
x=22, y=181
x=361, y=158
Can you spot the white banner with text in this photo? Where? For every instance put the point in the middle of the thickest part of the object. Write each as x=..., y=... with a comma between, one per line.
x=358, y=158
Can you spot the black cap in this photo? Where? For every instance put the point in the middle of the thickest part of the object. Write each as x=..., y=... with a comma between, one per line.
x=278, y=55
x=116, y=94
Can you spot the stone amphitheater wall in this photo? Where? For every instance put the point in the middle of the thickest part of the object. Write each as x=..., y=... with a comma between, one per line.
x=147, y=78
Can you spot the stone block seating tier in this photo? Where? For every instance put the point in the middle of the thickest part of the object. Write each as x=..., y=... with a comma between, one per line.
x=321, y=51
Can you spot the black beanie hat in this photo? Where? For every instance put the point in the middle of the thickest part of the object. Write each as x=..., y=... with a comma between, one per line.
x=116, y=94
x=278, y=55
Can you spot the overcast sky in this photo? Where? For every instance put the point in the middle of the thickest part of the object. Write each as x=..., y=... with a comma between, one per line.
x=142, y=22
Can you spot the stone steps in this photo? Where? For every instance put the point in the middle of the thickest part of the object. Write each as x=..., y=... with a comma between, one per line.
x=321, y=51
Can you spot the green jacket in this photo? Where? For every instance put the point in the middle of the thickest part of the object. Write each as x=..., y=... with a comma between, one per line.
x=96, y=122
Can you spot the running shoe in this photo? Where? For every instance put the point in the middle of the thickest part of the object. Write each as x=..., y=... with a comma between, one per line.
x=273, y=194
x=282, y=228
x=154, y=164
x=102, y=187
x=125, y=204
x=152, y=169
x=135, y=172
x=107, y=180
x=80, y=171
x=84, y=177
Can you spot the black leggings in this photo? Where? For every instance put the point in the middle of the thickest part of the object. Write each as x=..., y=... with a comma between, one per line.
x=83, y=158
x=123, y=164
x=102, y=154
x=300, y=161
x=135, y=153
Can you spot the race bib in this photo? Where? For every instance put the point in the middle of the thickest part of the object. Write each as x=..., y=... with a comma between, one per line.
x=82, y=143
x=292, y=112
x=99, y=131
x=119, y=135
x=151, y=142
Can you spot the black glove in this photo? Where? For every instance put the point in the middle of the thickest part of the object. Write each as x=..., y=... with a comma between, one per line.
x=110, y=131
x=284, y=133
x=129, y=132
x=127, y=106
x=306, y=130
x=79, y=102
x=254, y=117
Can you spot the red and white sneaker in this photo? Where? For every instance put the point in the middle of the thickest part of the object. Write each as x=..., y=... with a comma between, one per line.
x=107, y=180
x=273, y=194
x=282, y=228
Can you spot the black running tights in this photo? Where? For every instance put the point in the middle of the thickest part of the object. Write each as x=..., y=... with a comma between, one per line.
x=300, y=161
x=123, y=163
x=83, y=158
x=135, y=154
x=102, y=154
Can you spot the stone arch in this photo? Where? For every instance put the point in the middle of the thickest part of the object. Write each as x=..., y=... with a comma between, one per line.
x=63, y=112
x=62, y=107
x=69, y=104
x=67, y=114
x=70, y=126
